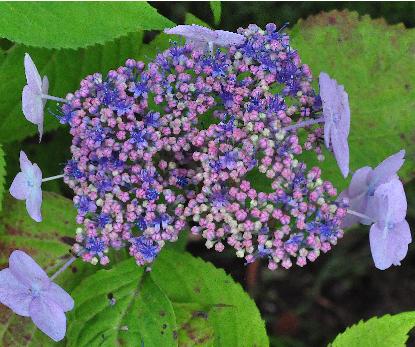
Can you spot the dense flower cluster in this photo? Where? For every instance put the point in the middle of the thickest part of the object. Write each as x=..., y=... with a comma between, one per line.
x=188, y=140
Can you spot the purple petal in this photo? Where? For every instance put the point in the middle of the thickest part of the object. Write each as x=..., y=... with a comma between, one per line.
x=32, y=106
x=389, y=203
x=343, y=110
x=25, y=164
x=45, y=88
x=14, y=294
x=48, y=317
x=359, y=182
x=387, y=169
x=19, y=189
x=58, y=295
x=32, y=75
x=228, y=38
x=193, y=32
x=389, y=246
x=34, y=204
x=26, y=270
x=357, y=204
x=341, y=151
x=327, y=132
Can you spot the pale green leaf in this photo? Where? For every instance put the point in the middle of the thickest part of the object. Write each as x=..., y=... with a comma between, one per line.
x=75, y=24
x=375, y=63
x=216, y=8
x=64, y=68
x=386, y=331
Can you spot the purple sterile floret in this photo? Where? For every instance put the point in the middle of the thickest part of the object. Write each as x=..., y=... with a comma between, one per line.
x=364, y=183
x=27, y=290
x=336, y=112
x=27, y=186
x=33, y=102
x=390, y=234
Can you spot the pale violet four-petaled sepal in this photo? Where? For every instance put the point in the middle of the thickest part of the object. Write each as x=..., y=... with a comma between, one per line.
x=33, y=101
x=336, y=112
x=27, y=186
x=204, y=38
x=390, y=235
x=27, y=290
x=363, y=185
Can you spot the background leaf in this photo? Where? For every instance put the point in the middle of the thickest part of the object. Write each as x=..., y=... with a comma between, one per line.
x=45, y=241
x=216, y=8
x=375, y=63
x=385, y=331
x=2, y=176
x=64, y=68
x=75, y=24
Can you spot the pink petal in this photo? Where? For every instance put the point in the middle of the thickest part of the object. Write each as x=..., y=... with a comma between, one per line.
x=359, y=182
x=19, y=189
x=32, y=106
x=14, y=294
x=228, y=38
x=341, y=151
x=58, y=295
x=389, y=246
x=26, y=270
x=387, y=169
x=32, y=75
x=34, y=204
x=48, y=317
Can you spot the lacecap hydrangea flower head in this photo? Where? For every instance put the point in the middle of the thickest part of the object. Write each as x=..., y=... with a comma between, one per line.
x=206, y=138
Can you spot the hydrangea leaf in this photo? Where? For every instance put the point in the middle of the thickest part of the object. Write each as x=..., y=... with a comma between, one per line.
x=385, y=331
x=45, y=241
x=188, y=303
x=233, y=315
x=216, y=9
x=374, y=62
x=62, y=25
x=2, y=176
x=141, y=315
x=193, y=325
x=64, y=68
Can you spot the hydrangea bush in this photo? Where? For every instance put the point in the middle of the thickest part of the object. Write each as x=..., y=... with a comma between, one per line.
x=205, y=138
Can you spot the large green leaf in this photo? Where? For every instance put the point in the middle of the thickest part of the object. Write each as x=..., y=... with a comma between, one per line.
x=142, y=314
x=229, y=311
x=182, y=301
x=75, y=24
x=64, y=68
x=386, y=331
x=2, y=176
x=375, y=63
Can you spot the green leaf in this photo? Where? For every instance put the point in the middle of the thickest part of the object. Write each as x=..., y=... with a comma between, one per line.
x=75, y=24
x=386, y=331
x=64, y=68
x=192, y=19
x=375, y=63
x=182, y=301
x=2, y=176
x=231, y=313
x=45, y=241
x=216, y=8
x=142, y=314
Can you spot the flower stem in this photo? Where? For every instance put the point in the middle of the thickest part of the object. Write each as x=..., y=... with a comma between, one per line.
x=303, y=124
x=54, y=98
x=52, y=178
x=358, y=214
x=63, y=268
